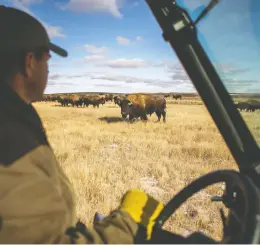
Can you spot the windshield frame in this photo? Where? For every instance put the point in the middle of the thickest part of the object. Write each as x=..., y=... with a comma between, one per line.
x=180, y=31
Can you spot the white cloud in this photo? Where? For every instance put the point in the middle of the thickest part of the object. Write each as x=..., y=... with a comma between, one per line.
x=139, y=38
x=126, y=63
x=94, y=58
x=164, y=76
x=122, y=40
x=110, y=81
x=53, y=31
x=96, y=50
x=98, y=55
x=126, y=41
x=102, y=6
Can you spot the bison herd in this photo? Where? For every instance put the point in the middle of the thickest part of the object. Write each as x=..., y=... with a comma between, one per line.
x=251, y=105
x=79, y=100
x=133, y=105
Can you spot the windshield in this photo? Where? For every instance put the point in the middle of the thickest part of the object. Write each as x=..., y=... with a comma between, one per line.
x=116, y=48
x=121, y=113
x=230, y=35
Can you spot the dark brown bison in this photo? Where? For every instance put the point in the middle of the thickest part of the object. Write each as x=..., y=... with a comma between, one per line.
x=63, y=100
x=75, y=100
x=244, y=106
x=176, y=96
x=72, y=99
x=49, y=98
x=94, y=100
x=85, y=100
x=46, y=97
x=118, y=99
x=254, y=105
x=109, y=97
x=139, y=105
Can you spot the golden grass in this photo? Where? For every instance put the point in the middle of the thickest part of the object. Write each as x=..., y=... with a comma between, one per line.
x=104, y=156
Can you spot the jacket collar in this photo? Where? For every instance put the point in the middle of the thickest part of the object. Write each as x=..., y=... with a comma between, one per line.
x=15, y=107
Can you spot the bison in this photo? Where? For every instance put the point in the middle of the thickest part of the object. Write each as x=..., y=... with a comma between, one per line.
x=139, y=105
x=49, y=98
x=177, y=96
x=75, y=100
x=254, y=105
x=109, y=97
x=118, y=99
x=94, y=100
x=72, y=99
x=244, y=106
x=63, y=100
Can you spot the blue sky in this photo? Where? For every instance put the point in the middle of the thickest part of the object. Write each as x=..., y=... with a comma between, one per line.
x=116, y=45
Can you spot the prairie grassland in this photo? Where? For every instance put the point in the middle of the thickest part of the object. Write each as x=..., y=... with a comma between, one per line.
x=104, y=156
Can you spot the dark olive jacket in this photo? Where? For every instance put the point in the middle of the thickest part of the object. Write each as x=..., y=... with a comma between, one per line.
x=37, y=203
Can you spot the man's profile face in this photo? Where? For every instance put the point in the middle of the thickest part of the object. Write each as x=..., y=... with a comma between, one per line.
x=43, y=71
x=37, y=75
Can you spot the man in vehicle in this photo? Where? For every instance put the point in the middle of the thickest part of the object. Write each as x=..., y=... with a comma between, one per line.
x=37, y=203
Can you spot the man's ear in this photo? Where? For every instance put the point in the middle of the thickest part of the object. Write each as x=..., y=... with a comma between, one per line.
x=29, y=64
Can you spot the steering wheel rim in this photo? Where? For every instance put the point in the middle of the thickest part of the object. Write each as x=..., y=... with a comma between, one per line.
x=228, y=176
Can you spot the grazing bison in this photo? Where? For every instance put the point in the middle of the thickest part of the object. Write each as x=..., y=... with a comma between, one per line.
x=243, y=106
x=254, y=105
x=85, y=100
x=72, y=99
x=75, y=100
x=94, y=100
x=63, y=100
x=46, y=98
x=49, y=98
x=176, y=96
x=109, y=97
x=139, y=105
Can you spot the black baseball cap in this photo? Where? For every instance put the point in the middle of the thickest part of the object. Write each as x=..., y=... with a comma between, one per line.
x=21, y=31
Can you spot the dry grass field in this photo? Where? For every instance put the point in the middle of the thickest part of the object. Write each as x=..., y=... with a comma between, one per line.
x=104, y=156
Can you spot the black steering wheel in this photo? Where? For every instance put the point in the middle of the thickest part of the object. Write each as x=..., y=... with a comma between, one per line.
x=235, y=183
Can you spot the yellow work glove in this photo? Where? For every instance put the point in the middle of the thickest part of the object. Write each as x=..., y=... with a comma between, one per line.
x=143, y=208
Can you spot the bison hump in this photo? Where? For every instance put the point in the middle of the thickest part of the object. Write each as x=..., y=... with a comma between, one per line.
x=138, y=100
x=146, y=101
